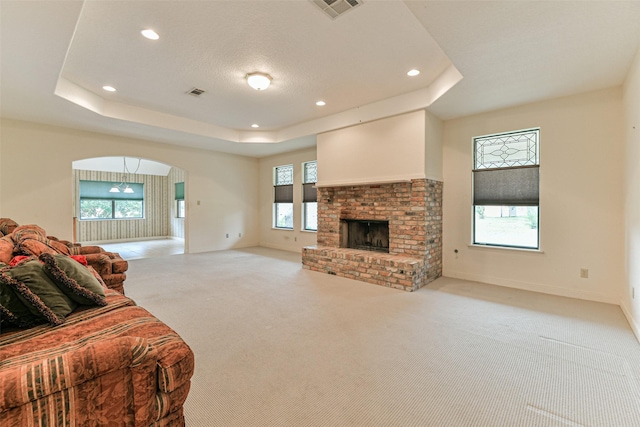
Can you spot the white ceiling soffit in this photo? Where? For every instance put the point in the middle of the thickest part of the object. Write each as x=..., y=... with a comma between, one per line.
x=510, y=53
x=117, y=164
x=357, y=64
x=517, y=52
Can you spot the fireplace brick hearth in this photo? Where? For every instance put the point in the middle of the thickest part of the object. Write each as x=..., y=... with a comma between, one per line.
x=414, y=212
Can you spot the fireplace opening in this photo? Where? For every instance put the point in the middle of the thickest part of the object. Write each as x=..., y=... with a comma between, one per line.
x=366, y=235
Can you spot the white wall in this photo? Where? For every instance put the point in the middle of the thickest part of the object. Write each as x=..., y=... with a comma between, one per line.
x=288, y=240
x=433, y=147
x=36, y=182
x=631, y=102
x=581, y=198
x=386, y=150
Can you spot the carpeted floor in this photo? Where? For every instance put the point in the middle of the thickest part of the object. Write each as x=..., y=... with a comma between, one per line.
x=277, y=345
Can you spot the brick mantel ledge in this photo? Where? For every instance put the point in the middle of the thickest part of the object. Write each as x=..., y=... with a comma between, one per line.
x=394, y=271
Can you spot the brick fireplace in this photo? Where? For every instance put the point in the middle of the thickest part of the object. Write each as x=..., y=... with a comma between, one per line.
x=413, y=212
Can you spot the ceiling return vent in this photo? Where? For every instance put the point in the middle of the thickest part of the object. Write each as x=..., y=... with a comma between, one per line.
x=196, y=92
x=335, y=8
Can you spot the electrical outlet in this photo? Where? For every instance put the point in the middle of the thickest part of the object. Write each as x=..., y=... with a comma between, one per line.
x=227, y=235
x=584, y=273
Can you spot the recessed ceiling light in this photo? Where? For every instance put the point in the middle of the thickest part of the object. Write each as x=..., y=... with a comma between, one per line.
x=413, y=73
x=109, y=88
x=258, y=81
x=255, y=125
x=150, y=34
x=321, y=103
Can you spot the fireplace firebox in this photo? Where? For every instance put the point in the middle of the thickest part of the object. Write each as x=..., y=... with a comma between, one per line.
x=367, y=235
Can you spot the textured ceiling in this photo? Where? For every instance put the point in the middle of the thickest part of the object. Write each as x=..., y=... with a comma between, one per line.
x=56, y=56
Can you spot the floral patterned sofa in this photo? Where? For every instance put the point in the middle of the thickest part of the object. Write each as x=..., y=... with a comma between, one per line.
x=104, y=363
x=33, y=240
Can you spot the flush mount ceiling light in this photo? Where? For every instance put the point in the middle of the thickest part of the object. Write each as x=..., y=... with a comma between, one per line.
x=109, y=88
x=150, y=34
x=413, y=73
x=258, y=81
x=321, y=103
x=255, y=125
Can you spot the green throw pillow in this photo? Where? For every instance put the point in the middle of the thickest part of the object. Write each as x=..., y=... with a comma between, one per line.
x=74, y=279
x=12, y=310
x=37, y=292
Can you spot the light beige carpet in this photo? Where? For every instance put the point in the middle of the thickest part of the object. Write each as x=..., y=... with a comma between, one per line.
x=277, y=345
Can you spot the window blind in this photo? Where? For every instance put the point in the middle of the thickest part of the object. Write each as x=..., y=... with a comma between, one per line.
x=283, y=193
x=309, y=192
x=517, y=186
x=99, y=190
x=179, y=190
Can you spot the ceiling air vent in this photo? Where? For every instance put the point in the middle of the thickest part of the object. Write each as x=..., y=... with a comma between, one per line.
x=335, y=8
x=196, y=92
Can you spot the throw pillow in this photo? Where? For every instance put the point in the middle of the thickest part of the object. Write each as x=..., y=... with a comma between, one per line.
x=7, y=225
x=74, y=279
x=6, y=249
x=37, y=292
x=12, y=311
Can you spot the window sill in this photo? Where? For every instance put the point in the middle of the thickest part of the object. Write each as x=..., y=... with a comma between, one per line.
x=309, y=231
x=505, y=248
x=281, y=228
x=108, y=219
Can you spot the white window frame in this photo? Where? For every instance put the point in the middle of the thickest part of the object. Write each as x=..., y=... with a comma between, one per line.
x=276, y=204
x=520, y=164
x=306, y=205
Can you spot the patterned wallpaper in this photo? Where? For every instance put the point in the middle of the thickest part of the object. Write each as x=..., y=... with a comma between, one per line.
x=157, y=199
x=176, y=225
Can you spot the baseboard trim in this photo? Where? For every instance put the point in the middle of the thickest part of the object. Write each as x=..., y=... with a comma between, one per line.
x=282, y=248
x=534, y=287
x=133, y=239
x=635, y=326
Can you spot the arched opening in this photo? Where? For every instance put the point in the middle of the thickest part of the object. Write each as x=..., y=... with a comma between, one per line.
x=132, y=206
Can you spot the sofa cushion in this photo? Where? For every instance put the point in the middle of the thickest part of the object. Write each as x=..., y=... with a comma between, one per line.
x=74, y=279
x=6, y=249
x=37, y=292
x=32, y=244
x=7, y=225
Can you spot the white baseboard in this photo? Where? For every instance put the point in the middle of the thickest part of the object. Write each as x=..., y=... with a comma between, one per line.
x=280, y=247
x=535, y=287
x=139, y=239
x=635, y=326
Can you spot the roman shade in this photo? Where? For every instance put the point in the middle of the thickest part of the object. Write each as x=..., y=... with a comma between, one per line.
x=179, y=190
x=99, y=190
x=309, y=192
x=517, y=186
x=283, y=193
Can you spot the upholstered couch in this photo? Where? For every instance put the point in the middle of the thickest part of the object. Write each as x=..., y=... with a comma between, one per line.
x=33, y=240
x=104, y=361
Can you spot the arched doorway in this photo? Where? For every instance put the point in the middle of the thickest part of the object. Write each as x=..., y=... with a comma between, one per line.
x=129, y=205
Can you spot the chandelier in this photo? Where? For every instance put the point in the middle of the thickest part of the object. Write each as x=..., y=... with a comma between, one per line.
x=123, y=186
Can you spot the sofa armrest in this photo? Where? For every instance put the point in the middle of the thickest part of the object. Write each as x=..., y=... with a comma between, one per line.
x=60, y=370
x=85, y=250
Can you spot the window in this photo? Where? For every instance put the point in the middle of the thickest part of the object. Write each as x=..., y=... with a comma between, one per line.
x=283, y=197
x=506, y=189
x=310, y=196
x=98, y=202
x=179, y=199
